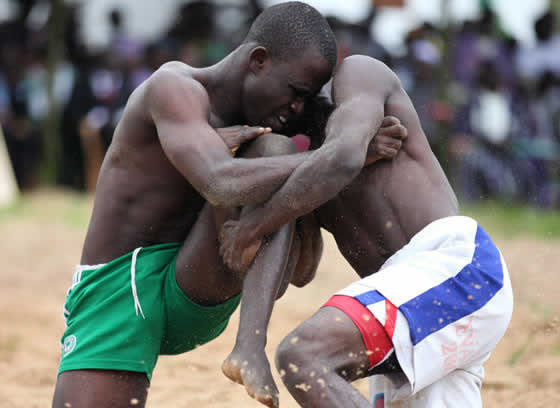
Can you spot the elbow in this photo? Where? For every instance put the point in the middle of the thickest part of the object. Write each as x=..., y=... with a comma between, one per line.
x=222, y=191
x=218, y=187
x=218, y=193
x=349, y=162
x=215, y=188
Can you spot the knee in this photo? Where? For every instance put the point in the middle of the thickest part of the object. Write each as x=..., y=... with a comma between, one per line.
x=288, y=353
x=270, y=144
x=296, y=357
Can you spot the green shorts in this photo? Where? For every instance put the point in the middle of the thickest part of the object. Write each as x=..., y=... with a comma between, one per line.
x=123, y=314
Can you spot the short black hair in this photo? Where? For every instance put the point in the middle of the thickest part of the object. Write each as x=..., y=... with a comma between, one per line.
x=291, y=28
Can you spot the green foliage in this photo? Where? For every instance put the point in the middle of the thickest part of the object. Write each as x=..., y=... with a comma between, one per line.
x=555, y=5
x=50, y=207
x=513, y=220
x=498, y=218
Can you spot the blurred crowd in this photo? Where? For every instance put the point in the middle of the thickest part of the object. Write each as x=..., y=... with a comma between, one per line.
x=490, y=107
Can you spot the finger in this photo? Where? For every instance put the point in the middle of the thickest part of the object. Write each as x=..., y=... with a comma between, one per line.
x=249, y=253
x=225, y=248
x=230, y=135
x=250, y=133
x=390, y=121
x=231, y=130
x=226, y=257
x=403, y=131
x=259, y=130
x=395, y=131
x=229, y=257
x=394, y=144
x=383, y=141
x=388, y=153
x=234, y=265
x=223, y=230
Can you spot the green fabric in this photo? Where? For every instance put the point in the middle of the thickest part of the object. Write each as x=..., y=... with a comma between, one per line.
x=105, y=332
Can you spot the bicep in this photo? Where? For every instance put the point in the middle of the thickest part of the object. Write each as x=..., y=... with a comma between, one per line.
x=355, y=120
x=360, y=91
x=179, y=108
x=194, y=149
x=399, y=105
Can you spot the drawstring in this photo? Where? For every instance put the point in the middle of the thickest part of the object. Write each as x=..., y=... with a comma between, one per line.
x=137, y=306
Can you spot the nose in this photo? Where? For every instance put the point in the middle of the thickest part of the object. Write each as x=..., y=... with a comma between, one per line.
x=297, y=107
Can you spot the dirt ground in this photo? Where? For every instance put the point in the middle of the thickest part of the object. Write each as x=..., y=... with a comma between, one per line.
x=39, y=251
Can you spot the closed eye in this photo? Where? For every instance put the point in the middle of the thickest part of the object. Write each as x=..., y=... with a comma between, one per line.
x=300, y=93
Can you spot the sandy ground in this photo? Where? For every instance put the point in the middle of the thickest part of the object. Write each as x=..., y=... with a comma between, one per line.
x=38, y=254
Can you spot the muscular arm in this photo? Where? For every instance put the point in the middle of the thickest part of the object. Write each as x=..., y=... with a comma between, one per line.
x=361, y=88
x=180, y=110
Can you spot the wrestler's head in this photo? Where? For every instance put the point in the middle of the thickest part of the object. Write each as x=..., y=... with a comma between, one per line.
x=293, y=53
x=314, y=120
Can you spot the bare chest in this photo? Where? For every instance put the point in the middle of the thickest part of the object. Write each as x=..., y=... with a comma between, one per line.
x=362, y=220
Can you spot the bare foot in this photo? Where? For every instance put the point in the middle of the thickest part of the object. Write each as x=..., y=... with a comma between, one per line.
x=252, y=370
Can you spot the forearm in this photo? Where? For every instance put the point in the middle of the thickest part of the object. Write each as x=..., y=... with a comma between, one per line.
x=261, y=286
x=241, y=181
x=329, y=169
x=317, y=180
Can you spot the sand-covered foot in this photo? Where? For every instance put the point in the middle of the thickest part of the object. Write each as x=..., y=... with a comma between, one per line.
x=252, y=369
x=231, y=367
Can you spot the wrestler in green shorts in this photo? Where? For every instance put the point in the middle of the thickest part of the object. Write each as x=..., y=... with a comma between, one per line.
x=123, y=314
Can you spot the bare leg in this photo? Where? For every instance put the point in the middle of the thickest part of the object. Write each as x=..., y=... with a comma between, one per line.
x=248, y=364
x=100, y=389
x=266, y=278
x=321, y=357
x=199, y=270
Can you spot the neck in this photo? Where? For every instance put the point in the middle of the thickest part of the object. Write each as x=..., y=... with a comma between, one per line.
x=224, y=85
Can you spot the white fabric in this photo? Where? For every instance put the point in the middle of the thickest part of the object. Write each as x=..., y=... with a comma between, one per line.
x=458, y=389
x=441, y=359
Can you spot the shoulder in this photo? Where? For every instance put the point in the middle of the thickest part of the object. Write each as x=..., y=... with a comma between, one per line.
x=172, y=90
x=362, y=64
x=359, y=74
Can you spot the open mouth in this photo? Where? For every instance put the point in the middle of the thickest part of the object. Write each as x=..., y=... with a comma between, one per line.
x=277, y=122
x=281, y=121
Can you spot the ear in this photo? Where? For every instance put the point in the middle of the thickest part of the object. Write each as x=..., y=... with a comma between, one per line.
x=259, y=59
